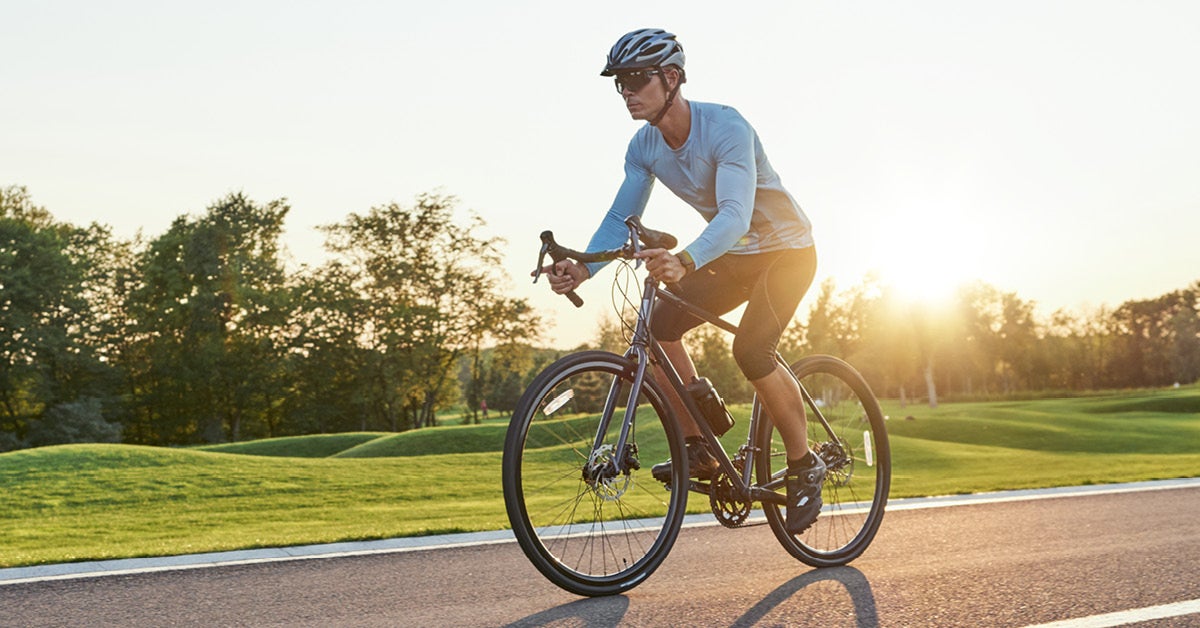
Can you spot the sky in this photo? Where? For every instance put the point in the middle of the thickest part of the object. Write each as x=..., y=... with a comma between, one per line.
x=1049, y=148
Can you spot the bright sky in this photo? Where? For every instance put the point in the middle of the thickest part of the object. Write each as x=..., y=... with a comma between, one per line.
x=1050, y=148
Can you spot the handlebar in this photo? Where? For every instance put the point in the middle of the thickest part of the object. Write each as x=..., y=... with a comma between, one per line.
x=638, y=235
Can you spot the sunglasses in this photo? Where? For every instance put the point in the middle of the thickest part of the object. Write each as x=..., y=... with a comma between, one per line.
x=633, y=81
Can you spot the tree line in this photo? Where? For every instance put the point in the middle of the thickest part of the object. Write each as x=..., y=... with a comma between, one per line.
x=202, y=334
x=984, y=343
x=991, y=343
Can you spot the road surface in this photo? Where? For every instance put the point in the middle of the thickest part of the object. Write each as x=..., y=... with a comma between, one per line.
x=1007, y=563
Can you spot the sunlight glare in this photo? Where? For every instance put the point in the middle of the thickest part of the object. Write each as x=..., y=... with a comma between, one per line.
x=929, y=255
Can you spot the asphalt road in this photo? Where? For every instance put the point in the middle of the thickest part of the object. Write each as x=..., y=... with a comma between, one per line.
x=1013, y=563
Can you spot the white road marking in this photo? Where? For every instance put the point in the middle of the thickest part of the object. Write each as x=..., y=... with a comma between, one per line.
x=1124, y=618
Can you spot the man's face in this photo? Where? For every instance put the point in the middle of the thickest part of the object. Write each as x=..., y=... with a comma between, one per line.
x=643, y=92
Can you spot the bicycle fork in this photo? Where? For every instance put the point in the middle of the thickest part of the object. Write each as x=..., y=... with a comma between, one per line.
x=625, y=459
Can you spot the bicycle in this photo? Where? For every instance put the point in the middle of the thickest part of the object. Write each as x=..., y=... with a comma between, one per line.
x=586, y=510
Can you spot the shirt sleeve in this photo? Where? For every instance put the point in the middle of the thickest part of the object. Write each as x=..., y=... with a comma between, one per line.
x=736, y=181
x=630, y=201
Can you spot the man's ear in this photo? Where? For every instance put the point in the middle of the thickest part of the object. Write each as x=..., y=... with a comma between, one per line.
x=681, y=74
x=674, y=77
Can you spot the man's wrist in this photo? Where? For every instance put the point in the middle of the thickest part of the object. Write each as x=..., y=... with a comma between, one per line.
x=686, y=260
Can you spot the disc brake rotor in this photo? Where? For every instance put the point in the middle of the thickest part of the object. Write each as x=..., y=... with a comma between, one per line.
x=839, y=460
x=600, y=474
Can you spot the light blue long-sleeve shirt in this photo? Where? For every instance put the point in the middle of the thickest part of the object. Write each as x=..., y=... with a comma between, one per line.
x=722, y=172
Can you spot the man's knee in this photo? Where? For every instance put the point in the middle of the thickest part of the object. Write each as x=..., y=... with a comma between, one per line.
x=755, y=360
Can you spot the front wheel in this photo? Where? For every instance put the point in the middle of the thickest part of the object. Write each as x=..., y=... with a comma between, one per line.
x=582, y=502
x=846, y=429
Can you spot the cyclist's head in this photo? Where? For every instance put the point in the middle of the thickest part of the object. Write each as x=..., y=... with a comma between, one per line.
x=644, y=49
x=639, y=55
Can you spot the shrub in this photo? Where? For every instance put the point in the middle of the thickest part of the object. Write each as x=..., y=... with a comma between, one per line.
x=79, y=421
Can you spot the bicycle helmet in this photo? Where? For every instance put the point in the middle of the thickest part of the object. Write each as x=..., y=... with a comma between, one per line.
x=644, y=48
x=648, y=48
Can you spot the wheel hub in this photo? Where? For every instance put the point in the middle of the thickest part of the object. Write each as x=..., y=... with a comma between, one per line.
x=839, y=462
x=600, y=473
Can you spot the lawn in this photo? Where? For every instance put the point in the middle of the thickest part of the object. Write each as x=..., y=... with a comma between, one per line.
x=89, y=502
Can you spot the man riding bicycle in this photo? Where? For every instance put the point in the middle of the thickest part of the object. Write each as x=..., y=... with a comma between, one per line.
x=757, y=248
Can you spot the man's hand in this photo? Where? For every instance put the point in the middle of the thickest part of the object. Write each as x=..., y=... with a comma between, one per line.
x=662, y=265
x=565, y=276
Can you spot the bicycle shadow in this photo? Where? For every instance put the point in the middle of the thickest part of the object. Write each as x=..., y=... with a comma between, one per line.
x=609, y=611
x=855, y=583
x=590, y=612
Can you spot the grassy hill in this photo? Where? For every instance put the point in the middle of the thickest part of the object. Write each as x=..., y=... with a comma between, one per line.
x=976, y=447
x=315, y=446
x=87, y=502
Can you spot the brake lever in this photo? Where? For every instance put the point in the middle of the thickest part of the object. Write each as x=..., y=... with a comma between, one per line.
x=557, y=257
x=537, y=273
x=637, y=243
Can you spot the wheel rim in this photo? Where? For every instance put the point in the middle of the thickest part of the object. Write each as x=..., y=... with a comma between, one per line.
x=858, y=461
x=593, y=521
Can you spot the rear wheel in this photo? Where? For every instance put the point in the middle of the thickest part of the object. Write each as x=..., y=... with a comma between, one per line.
x=584, y=507
x=845, y=428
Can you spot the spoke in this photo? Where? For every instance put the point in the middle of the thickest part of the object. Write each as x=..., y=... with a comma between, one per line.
x=586, y=521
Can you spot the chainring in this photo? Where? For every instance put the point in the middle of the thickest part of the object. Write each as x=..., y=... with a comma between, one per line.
x=730, y=511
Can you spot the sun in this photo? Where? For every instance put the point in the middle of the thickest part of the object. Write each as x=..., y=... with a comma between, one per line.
x=927, y=261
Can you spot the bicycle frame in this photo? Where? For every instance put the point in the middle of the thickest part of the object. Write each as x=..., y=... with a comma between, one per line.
x=644, y=350
x=615, y=529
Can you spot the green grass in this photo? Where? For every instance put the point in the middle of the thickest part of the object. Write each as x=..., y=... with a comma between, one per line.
x=980, y=447
x=89, y=502
x=458, y=439
x=316, y=446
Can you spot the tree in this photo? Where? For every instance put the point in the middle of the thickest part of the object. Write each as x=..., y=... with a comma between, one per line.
x=1185, y=330
x=48, y=328
x=208, y=321
x=894, y=344
x=500, y=378
x=612, y=335
x=1155, y=340
x=821, y=333
x=330, y=356
x=508, y=373
x=429, y=290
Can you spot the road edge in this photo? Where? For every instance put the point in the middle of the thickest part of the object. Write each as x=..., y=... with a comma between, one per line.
x=131, y=566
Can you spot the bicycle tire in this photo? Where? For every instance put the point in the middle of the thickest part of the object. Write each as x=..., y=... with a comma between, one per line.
x=588, y=529
x=856, y=451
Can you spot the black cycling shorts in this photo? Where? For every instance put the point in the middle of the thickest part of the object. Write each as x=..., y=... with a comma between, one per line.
x=770, y=284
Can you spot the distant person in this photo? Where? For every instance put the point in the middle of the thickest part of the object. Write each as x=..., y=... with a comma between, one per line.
x=757, y=248
x=483, y=408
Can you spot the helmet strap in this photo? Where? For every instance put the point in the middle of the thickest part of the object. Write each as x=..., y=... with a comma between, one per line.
x=662, y=113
